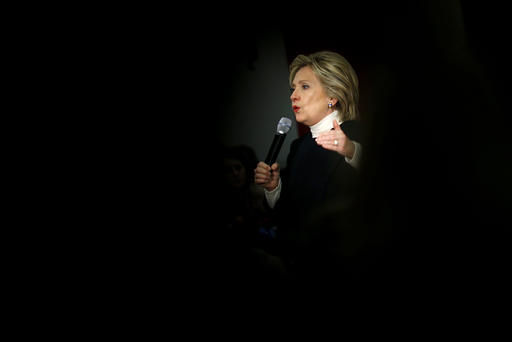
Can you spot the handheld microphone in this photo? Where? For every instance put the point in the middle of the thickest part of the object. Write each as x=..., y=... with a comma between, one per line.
x=283, y=127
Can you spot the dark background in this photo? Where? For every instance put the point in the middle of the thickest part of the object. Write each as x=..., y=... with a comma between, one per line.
x=433, y=79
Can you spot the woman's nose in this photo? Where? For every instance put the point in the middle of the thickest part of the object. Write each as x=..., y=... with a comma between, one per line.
x=293, y=96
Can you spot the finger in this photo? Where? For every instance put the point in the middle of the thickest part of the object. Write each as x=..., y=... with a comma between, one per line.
x=260, y=182
x=275, y=167
x=325, y=134
x=263, y=165
x=336, y=125
x=325, y=139
x=264, y=168
x=261, y=179
x=260, y=172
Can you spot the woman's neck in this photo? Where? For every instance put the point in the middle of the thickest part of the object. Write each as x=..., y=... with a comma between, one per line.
x=325, y=124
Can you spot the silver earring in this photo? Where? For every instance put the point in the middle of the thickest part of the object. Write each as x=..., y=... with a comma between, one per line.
x=330, y=105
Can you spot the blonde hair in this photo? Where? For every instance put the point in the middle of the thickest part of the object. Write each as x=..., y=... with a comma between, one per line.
x=338, y=78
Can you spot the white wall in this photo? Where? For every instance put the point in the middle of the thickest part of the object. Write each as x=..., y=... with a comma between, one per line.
x=260, y=97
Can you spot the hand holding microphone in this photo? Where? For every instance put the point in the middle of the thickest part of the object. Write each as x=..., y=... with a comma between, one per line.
x=266, y=176
x=267, y=173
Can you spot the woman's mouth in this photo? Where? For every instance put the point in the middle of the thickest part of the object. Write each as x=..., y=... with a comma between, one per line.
x=296, y=108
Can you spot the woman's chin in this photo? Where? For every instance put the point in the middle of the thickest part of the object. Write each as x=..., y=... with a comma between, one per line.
x=299, y=118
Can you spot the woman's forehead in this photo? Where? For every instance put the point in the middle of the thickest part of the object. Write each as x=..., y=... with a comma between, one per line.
x=304, y=74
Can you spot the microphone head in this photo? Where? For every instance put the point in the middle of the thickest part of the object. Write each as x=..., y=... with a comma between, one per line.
x=284, y=125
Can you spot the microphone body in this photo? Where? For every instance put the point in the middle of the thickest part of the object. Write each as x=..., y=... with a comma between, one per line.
x=283, y=127
x=275, y=148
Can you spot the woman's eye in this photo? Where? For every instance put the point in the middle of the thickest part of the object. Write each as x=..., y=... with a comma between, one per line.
x=305, y=86
x=292, y=90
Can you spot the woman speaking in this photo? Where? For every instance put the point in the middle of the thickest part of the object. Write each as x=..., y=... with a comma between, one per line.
x=312, y=196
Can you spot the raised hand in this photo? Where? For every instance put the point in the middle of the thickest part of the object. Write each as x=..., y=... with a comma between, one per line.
x=336, y=140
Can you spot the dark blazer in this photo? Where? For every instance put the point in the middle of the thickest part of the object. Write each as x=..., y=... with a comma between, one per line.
x=317, y=186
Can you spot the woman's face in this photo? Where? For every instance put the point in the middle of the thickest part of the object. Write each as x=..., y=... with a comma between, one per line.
x=309, y=100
